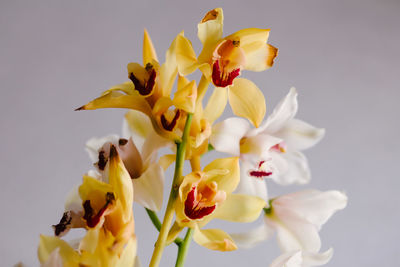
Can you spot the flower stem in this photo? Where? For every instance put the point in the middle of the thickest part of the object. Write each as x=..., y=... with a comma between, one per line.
x=183, y=248
x=157, y=224
x=169, y=213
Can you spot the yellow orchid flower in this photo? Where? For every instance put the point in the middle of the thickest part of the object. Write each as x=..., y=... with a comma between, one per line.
x=205, y=195
x=223, y=58
x=149, y=90
x=108, y=217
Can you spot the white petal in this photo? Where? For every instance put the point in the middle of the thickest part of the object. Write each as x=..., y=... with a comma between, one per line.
x=226, y=135
x=138, y=126
x=73, y=201
x=299, y=135
x=294, y=232
x=314, y=206
x=283, y=112
x=292, y=168
x=151, y=146
x=250, y=185
x=289, y=259
x=253, y=237
x=317, y=259
x=259, y=144
x=149, y=187
x=94, y=144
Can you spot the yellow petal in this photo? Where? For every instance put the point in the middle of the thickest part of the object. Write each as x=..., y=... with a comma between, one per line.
x=126, y=87
x=185, y=56
x=139, y=124
x=240, y=208
x=94, y=190
x=49, y=243
x=115, y=100
x=149, y=53
x=214, y=239
x=260, y=57
x=121, y=182
x=227, y=181
x=185, y=97
x=128, y=256
x=247, y=101
x=90, y=241
x=166, y=160
x=211, y=26
x=216, y=104
x=249, y=36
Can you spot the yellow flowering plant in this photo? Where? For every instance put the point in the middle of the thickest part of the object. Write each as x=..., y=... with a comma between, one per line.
x=129, y=168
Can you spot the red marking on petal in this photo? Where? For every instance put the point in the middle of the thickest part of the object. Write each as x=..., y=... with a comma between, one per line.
x=147, y=87
x=93, y=219
x=169, y=126
x=192, y=210
x=220, y=79
x=260, y=174
x=261, y=163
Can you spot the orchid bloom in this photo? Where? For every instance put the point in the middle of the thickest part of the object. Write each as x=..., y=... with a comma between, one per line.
x=297, y=218
x=106, y=213
x=149, y=90
x=146, y=174
x=270, y=151
x=207, y=194
x=223, y=58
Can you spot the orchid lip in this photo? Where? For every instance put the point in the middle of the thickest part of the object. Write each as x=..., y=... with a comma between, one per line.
x=222, y=79
x=259, y=173
x=93, y=219
x=169, y=126
x=192, y=209
x=146, y=88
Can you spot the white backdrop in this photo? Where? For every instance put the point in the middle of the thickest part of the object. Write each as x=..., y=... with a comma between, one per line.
x=342, y=55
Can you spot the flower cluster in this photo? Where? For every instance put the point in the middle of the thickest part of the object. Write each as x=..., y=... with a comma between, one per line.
x=130, y=168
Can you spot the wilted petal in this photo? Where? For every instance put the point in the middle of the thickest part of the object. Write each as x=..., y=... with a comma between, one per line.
x=214, y=239
x=227, y=134
x=247, y=101
x=299, y=135
x=149, y=187
x=240, y=208
x=211, y=26
x=93, y=145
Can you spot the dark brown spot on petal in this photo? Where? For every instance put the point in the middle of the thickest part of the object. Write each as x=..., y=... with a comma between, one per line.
x=169, y=126
x=192, y=209
x=211, y=15
x=102, y=160
x=63, y=224
x=146, y=88
x=222, y=79
x=90, y=217
x=122, y=141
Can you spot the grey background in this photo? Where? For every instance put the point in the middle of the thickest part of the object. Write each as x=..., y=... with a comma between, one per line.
x=343, y=56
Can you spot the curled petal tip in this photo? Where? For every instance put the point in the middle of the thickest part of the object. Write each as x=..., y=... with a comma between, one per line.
x=80, y=108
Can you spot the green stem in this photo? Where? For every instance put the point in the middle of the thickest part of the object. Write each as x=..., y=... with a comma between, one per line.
x=169, y=213
x=157, y=224
x=183, y=248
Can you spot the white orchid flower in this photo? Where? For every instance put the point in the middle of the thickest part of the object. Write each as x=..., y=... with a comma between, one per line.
x=302, y=259
x=272, y=150
x=146, y=174
x=297, y=219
